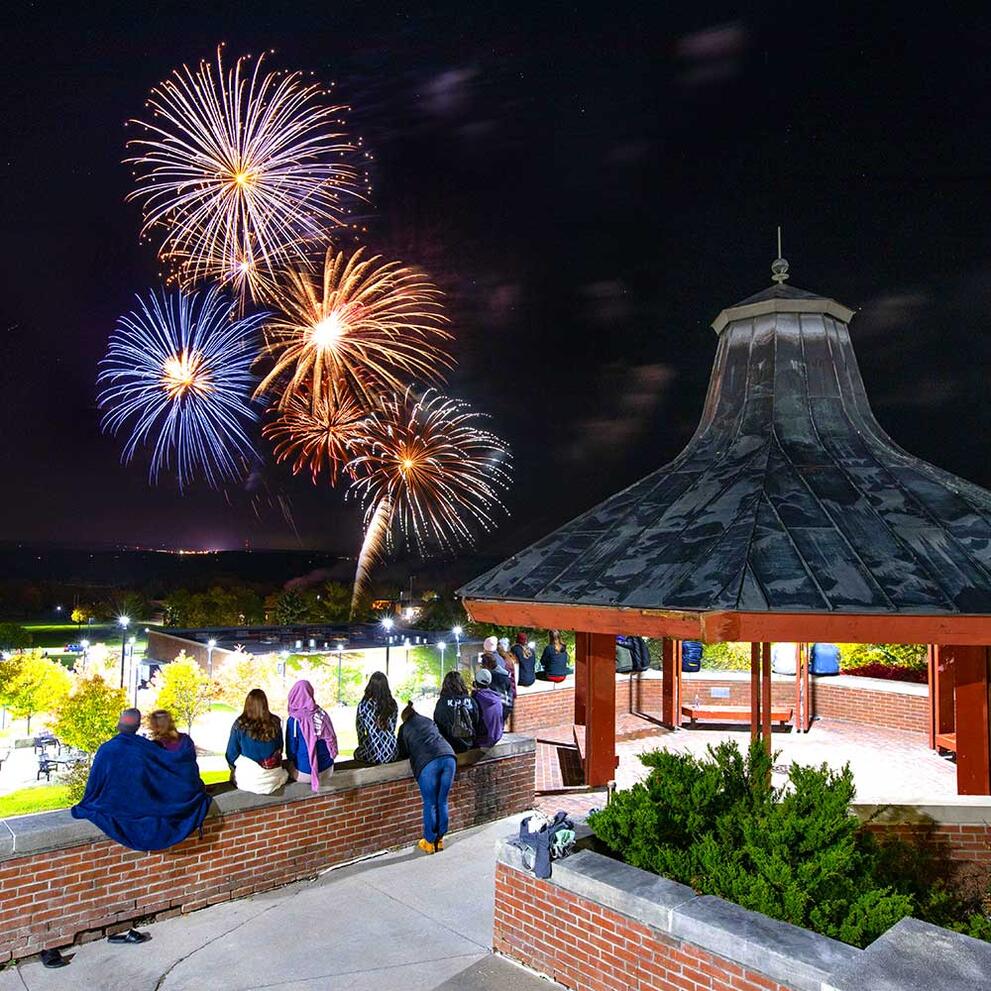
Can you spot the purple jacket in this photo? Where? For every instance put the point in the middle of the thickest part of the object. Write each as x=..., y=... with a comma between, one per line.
x=490, y=717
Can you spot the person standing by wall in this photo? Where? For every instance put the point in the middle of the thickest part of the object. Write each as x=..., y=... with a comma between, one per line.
x=432, y=759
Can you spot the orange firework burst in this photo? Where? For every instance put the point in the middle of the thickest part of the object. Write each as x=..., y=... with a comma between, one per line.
x=364, y=328
x=426, y=468
x=317, y=434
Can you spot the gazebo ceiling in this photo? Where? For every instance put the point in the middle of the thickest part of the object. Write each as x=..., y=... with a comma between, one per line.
x=789, y=499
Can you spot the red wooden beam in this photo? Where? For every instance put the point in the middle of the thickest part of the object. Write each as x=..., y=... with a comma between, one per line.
x=670, y=703
x=717, y=627
x=600, y=711
x=581, y=676
x=973, y=728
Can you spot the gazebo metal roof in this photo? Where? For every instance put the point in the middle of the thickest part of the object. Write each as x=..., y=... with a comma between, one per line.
x=789, y=498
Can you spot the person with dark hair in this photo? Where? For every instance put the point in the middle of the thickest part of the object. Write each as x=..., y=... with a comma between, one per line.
x=490, y=721
x=311, y=743
x=508, y=659
x=554, y=660
x=375, y=722
x=432, y=759
x=144, y=796
x=162, y=730
x=501, y=684
x=526, y=661
x=254, y=748
x=456, y=713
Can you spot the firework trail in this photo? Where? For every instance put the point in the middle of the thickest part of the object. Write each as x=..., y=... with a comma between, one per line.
x=242, y=168
x=426, y=469
x=363, y=328
x=177, y=376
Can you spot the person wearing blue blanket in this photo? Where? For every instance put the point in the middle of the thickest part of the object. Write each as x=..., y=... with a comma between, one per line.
x=140, y=794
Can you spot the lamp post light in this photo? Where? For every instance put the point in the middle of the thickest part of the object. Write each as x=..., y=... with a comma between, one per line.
x=132, y=668
x=387, y=625
x=122, y=623
x=284, y=657
x=210, y=644
x=340, y=661
x=441, y=646
x=457, y=631
x=85, y=645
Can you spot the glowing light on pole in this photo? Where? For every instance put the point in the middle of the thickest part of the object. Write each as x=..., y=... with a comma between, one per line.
x=441, y=646
x=210, y=644
x=340, y=662
x=177, y=376
x=387, y=625
x=457, y=631
x=122, y=622
x=240, y=168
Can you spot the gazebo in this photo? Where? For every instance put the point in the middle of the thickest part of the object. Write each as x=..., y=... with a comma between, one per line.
x=789, y=516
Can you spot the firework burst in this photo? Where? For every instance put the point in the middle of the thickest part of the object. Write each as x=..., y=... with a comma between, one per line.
x=177, y=376
x=363, y=327
x=318, y=434
x=427, y=470
x=242, y=168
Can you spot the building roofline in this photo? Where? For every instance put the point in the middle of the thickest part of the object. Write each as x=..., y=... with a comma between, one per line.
x=747, y=311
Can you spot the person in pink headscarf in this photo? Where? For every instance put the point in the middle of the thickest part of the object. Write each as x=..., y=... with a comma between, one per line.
x=310, y=738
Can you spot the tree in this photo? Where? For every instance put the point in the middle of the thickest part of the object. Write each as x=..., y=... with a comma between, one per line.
x=38, y=685
x=88, y=717
x=79, y=616
x=290, y=607
x=185, y=690
x=14, y=637
x=335, y=602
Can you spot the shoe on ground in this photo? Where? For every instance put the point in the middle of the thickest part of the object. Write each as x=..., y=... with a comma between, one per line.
x=439, y=845
x=131, y=936
x=53, y=958
x=426, y=846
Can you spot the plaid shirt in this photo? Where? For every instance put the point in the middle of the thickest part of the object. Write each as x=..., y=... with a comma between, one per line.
x=375, y=745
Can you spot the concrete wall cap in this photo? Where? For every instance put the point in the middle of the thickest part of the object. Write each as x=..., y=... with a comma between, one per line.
x=954, y=810
x=917, y=956
x=792, y=956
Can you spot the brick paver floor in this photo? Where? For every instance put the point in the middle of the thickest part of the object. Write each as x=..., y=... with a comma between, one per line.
x=888, y=765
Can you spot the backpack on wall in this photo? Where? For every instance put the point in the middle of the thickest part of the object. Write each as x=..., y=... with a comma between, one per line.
x=461, y=725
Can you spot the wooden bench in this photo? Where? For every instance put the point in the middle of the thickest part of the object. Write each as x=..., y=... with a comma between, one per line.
x=730, y=713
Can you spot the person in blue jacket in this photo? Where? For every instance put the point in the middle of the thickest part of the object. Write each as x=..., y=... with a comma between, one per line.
x=254, y=748
x=310, y=738
x=554, y=660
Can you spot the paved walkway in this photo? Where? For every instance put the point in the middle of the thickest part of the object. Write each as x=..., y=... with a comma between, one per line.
x=401, y=921
x=888, y=765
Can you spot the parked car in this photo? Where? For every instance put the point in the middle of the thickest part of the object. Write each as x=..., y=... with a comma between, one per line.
x=73, y=648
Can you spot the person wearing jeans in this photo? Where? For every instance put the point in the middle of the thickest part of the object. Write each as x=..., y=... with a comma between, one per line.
x=432, y=759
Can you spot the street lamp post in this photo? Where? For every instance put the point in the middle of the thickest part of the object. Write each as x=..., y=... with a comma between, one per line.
x=122, y=622
x=210, y=644
x=284, y=655
x=441, y=646
x=132, y=668
x=340, y=661
x=85, y=645
x=387, y=625
x=457, y=631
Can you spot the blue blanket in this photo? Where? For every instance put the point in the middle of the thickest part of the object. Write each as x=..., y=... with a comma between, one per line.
x=143, y=796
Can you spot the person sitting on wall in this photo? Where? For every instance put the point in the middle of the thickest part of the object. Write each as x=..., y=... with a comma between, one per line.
x=554, y=660
x=490, y=722
x=144, y=796
x=254, y=749
x=162, y=730
x=310, y=738
x=432, y=760
x=501, y=684
x=375, y=722
x=509, y=663
x=456, y=713
x=526, y=661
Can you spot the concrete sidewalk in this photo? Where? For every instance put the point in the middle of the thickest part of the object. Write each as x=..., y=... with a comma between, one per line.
x=402, y=921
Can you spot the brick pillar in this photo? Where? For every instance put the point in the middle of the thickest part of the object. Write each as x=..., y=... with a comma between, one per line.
x=971, y=683
x=600, y=710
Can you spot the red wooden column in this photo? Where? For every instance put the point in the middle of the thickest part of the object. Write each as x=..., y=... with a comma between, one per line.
x=765, y=695
x=941, y=698
x=973, y=727
x=670, y=683
x=754, y=691
x=581, y=676
x=600, y=710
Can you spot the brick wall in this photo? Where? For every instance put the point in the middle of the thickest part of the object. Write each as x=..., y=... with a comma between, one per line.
x=50, y=898
x=588, y=947
x=840, y=698
x=850, y=699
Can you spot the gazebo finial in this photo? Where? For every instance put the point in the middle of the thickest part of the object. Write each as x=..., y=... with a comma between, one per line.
x=779, y=267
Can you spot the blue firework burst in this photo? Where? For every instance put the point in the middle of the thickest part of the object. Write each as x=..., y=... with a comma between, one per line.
x=177, y=379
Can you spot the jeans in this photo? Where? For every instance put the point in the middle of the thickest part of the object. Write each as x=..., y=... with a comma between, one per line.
x=435, y=782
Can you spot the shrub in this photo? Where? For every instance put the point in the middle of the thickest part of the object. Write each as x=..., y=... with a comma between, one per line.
x=726, y=656
x=889, y=672
x=184, y=690
x=900, y=655
x=794, y=853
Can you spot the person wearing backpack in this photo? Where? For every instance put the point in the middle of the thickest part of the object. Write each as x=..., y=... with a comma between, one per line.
x=456, y=713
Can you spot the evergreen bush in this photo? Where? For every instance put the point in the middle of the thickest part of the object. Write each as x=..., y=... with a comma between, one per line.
x=794, y=852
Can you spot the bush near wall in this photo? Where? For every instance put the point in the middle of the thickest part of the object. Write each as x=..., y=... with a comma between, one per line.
x=794, y=852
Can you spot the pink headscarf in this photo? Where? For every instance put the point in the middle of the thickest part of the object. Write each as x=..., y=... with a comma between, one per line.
x=314, y=724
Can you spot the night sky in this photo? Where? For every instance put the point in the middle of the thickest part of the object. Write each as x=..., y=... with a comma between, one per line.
x=590, y=184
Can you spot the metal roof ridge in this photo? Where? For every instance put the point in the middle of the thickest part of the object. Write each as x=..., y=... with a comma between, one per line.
x=747, y=311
